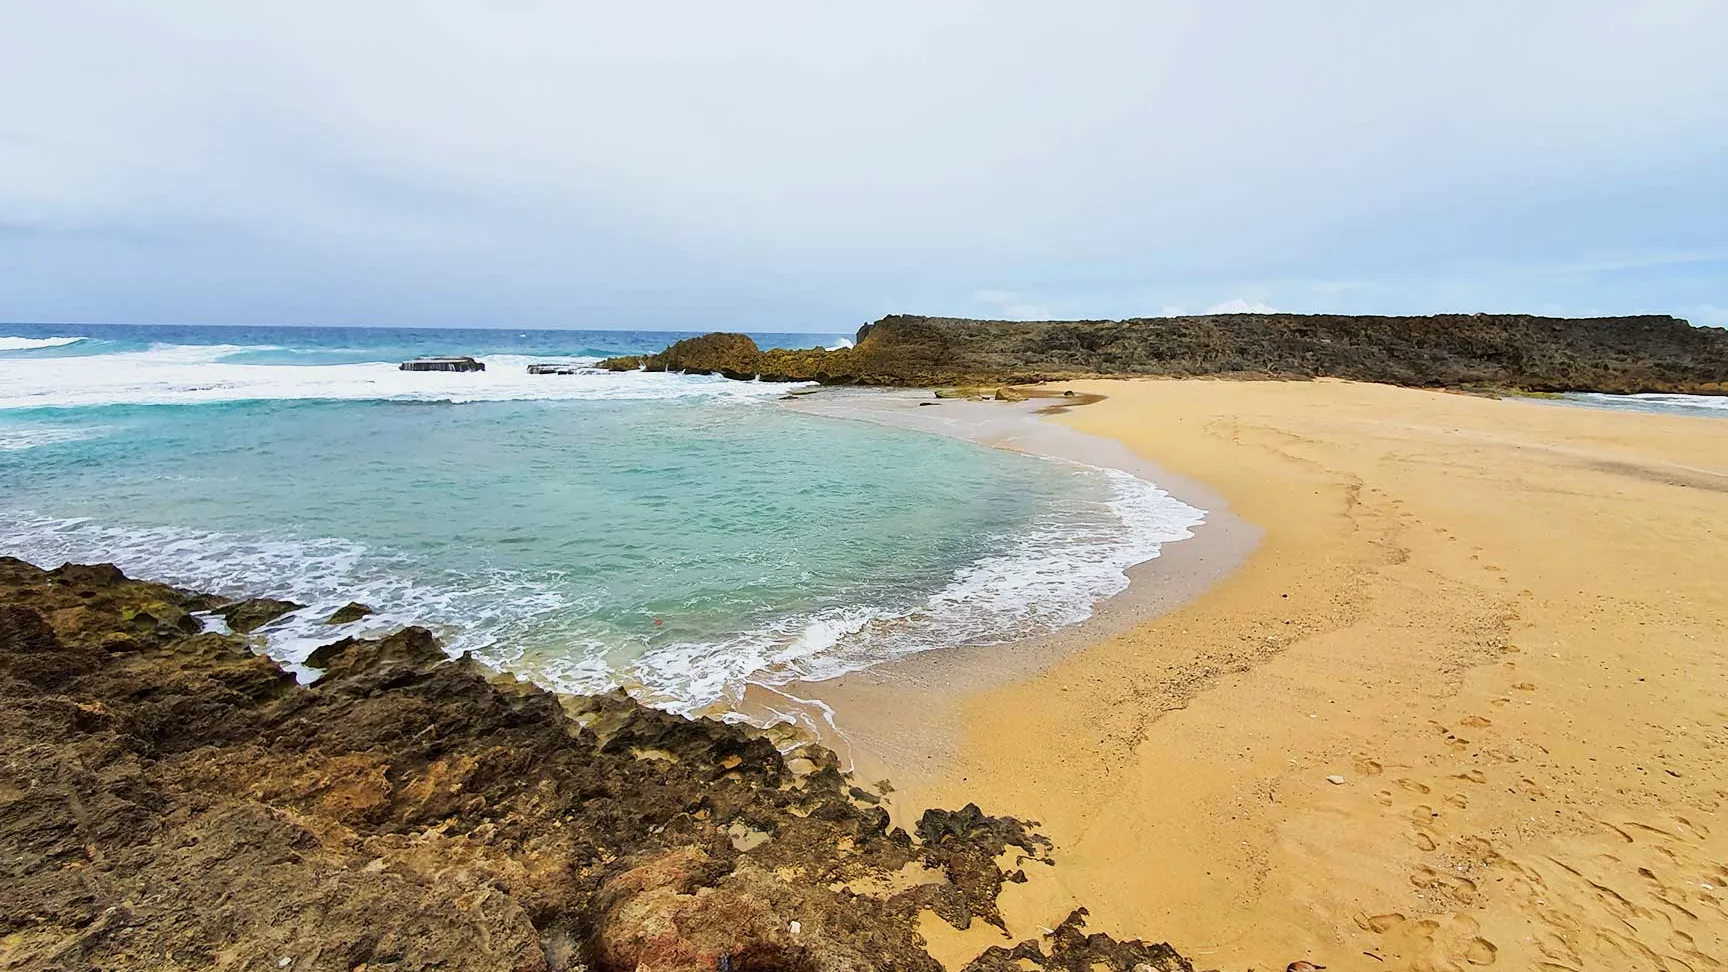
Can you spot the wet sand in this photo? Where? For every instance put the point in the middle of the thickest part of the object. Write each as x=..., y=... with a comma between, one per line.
x=1464, y=705
x=899, y=720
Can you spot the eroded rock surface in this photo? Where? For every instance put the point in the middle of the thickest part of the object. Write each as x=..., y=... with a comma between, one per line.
x=170, y=800
x=1648, y=353
x=348, y=613
x=253, y=613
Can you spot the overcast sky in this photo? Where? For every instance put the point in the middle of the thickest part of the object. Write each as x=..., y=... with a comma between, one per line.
x=799, y=166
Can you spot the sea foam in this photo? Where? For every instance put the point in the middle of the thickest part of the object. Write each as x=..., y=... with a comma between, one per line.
x=1656, y=401
x=33, y=344
x=1045, y=578
x=469, y=612
x=199, y=374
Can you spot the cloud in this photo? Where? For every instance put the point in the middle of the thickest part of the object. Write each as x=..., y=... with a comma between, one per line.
x=686, y=164
x=1237, y=305
x=1009, y=305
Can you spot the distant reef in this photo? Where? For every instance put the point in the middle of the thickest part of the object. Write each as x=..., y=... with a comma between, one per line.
x=170, y=799
x=1512, y=352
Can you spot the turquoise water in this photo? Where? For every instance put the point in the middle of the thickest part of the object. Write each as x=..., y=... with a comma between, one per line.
x=680, y=535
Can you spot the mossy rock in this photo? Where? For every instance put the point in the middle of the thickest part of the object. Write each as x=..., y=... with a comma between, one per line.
x=253, y=613
x=349, y=613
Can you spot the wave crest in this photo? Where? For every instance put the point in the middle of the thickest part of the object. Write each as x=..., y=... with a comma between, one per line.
x=33, y=344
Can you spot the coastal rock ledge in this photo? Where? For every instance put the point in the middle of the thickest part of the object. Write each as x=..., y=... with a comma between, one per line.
x=170, y=800
x=1489, y=352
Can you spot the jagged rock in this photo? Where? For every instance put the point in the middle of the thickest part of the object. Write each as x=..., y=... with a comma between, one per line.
x=1072, y=950
x=348, y=613
x=1475, y=351
x=254, y=612
x=185, y=803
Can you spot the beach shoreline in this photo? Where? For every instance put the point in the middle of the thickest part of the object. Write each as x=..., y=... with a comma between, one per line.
x=1460, y=707
x=898, y=720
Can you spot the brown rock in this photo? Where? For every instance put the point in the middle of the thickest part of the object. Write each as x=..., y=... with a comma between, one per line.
x=348, y=613
x=253, y=613
x=184, y=803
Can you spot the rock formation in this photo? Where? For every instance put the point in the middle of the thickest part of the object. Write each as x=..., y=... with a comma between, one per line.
x=253, y=613
x=170, y=800
x=1481, y=351
x=348, y=613
x=442, y=364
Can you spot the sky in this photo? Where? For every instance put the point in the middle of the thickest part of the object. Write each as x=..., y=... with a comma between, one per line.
x=802, y=166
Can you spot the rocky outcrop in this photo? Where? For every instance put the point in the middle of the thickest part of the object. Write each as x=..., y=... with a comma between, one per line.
x=168, y=799
x=463, y=363
x=253, y=613
x=1486, y=351
x=348, y=613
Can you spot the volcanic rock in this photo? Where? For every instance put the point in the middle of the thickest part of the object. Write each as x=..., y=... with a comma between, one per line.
x=1469, y=351
x=254, y=612
x=348, y=613
x=184, y=803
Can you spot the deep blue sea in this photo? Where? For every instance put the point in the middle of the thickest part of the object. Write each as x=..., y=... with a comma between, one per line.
x=682, y=536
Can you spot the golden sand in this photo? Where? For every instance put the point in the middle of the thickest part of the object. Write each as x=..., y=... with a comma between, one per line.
x=1502, y=624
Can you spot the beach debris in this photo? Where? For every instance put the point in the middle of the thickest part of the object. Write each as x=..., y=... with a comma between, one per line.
x=1302, y=966
x=462, y=363
x=349, y=613
x=1335, y=780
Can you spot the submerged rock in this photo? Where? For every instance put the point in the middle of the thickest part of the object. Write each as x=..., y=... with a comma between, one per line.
x=348, y=613
x=253, y=613
x=185, y=803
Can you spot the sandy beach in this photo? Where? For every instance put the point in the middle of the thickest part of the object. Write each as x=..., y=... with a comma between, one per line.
x=1462, y=704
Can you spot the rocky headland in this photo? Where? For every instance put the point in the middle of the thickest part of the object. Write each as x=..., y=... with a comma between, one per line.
x=1492, y=352
x=170, y=799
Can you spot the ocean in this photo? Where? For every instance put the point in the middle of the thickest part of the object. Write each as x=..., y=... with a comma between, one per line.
x=681, y=536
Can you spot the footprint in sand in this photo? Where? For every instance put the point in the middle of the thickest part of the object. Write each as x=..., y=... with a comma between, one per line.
x=1458, y=800
x=1525, y=686
x=1459, y=889
x=1413, y=786
x=1368, y=767
x=1379, y=924
x=1472, y=776
x=1383, y=797
x=1481, y=951
x=1475, y=722
x=1423, y=840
